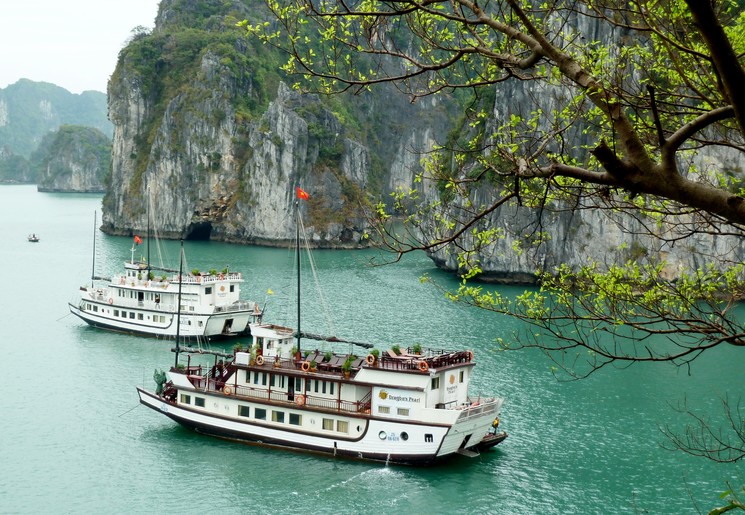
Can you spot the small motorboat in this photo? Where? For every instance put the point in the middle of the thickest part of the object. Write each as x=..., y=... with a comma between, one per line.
x=33, y=238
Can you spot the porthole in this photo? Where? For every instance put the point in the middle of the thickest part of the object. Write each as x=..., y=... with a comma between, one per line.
x=404, y=436
x=382, y=435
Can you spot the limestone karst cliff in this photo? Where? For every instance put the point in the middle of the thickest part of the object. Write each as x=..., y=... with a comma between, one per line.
x=206, y=128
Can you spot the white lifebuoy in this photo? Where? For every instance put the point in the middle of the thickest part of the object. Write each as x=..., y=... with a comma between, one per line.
x=300, y=399
x=111, y=301
x=259, y=360
x=227, y=390
x=305, y=366
x=221, y=277
x=370, y=359
x=423, y=366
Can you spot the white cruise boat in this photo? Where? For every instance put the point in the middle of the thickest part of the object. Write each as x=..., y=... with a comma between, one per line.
x=143, y=301
x=407, y=408
x=396, y=408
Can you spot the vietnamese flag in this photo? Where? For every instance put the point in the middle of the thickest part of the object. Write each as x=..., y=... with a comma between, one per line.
x=138, y=240
x=301, y=194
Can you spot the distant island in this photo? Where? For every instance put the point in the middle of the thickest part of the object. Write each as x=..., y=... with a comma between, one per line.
x=31, y=111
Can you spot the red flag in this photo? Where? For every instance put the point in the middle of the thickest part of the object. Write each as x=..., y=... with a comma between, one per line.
x=138, y=240
x=301, y=194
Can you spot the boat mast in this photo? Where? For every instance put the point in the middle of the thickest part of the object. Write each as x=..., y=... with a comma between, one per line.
x=93, y=268
x=178, y=300
x=297, y=257
x=148, y=234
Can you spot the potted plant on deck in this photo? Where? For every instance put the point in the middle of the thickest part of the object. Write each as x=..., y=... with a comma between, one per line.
x=346, y=368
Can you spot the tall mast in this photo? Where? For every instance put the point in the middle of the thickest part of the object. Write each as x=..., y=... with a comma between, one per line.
x=297, y=257
x=148, y=234
x=178, y=300
x=93, y=268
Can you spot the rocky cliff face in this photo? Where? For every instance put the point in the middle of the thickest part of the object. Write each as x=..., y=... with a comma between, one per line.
x=576, y=235
x=73, y=159
x=220, y=152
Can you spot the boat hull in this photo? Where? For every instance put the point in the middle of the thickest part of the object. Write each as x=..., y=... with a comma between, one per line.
x=369, y=445
x=209, y=327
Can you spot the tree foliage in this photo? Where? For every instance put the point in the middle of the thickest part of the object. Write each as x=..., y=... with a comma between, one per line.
x=638, y=108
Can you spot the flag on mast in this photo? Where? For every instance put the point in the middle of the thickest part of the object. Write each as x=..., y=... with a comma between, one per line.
x=301, y=194
x=138, y=240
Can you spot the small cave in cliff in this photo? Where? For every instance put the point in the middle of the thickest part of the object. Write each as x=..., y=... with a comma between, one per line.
x=200, y=231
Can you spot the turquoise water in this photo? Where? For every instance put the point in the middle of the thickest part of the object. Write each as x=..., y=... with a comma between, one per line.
x=73, y=438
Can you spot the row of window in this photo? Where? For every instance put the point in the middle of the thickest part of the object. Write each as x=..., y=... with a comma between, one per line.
x=386, y=410
x=278, y=416
x=279, y=381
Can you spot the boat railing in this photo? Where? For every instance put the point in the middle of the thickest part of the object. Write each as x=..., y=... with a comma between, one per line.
x=236, y=306
x=296, y=398
x=433, y=359
x=479, y=408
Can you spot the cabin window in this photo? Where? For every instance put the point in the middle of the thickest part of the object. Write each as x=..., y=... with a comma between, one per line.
x=296, y=419
x=404, y=436
x=199, y=401
x=244, y=411
x=281, y=381
x=124, y=314
x=403, y=412
x=298, y=384
x=232, y=288
x=208, y=290
x=385, y=410
x=331, y=388
x=428, y=438
x=263, y=378
x=260, y=414
x=132, y=315
x=139, y=316
x=116, y=312
x=278, y=416
x=185, y=399
x=248, y=376
x=323, y=387
x=327, y=424
x=435, y=383
x=256, y=378
x=342, y=426
x=462, y=374
x=95, y=309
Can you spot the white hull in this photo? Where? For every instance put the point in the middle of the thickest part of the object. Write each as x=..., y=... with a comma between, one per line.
x=192, y=326
x=370, y=438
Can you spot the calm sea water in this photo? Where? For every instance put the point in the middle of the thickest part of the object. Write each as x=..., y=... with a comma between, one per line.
x=74, y=440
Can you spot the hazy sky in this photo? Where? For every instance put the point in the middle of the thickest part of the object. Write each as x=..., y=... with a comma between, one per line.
x=71, y=43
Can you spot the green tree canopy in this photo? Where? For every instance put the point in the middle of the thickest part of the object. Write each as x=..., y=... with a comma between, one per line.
x=628, y=98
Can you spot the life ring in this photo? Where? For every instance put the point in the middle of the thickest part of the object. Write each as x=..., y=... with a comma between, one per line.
x=305, y=366
x=228, y=390
x=470, y=355
x=423, y=366
x=259, y=360
x=221, y=277
x=111, y=301
x=369, y=359
x=300, y=399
